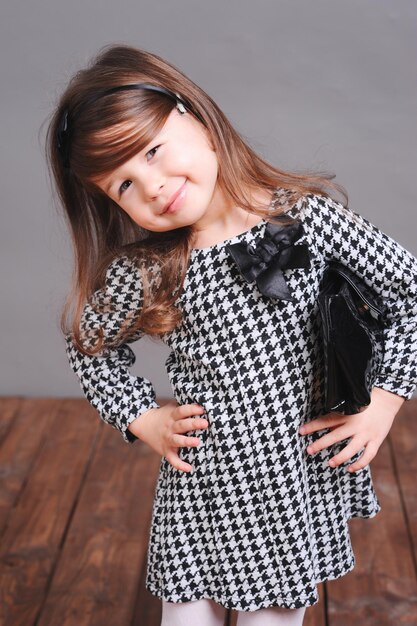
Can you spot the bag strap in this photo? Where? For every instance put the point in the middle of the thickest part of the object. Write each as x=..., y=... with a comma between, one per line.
x=368, y=295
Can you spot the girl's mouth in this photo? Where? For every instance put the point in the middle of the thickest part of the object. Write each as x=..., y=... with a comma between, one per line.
x=178, y=200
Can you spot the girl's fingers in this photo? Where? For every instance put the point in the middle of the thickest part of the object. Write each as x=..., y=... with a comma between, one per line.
x=190, y=423
x=335, y=436
x=184, y=422
x=322, y=422
x=186, y=410
x=183, y=440
x=347, y=453
x=173, y=458
x=367, y=456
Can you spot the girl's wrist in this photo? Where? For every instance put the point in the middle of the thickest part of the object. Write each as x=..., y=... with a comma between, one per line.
x=136, y=426
x=395, y=401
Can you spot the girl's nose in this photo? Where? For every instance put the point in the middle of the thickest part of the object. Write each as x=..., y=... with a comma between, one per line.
x=154, y=187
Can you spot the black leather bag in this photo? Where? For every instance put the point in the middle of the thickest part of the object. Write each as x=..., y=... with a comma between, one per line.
x=352, y=324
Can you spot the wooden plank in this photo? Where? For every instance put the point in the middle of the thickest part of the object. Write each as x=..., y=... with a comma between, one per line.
x=404, y=441
x=26, y=425
x=148, y=608
x=382, y=588
x=96, y=579
x=37, y=524
x=9, y=408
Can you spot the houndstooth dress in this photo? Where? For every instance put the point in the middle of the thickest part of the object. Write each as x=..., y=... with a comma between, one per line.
x=258, y=522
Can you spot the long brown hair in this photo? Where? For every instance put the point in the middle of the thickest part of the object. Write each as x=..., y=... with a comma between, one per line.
x=107, y=134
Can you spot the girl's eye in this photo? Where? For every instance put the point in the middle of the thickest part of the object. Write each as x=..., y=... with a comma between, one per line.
x=122, y=187
x=155, y=148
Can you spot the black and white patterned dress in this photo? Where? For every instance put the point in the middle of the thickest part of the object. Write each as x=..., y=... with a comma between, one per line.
x=259, y=522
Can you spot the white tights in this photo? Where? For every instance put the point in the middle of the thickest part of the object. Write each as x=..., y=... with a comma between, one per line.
x=206, y=612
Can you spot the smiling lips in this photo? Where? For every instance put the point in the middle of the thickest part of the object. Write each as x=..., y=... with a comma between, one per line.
x=174, y=200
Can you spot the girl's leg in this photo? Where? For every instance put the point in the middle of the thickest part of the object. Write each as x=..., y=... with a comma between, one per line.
x=204, y=612
x=271, y=616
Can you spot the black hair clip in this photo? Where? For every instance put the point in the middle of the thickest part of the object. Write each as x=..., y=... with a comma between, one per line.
x=63, y=140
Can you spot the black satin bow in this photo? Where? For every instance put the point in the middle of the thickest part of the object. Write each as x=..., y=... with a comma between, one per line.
x=264, y=258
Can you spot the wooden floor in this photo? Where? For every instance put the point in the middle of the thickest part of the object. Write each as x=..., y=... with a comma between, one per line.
x=75, y=511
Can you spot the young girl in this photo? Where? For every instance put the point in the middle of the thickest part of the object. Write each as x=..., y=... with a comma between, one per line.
x=183, y=233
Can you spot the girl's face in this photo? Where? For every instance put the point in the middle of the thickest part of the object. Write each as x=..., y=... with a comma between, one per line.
x=180, y=157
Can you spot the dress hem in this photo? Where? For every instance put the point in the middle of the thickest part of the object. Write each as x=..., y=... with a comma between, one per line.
x=303, y=601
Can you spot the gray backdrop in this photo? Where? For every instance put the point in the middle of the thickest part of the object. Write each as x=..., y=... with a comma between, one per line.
x=323, y=84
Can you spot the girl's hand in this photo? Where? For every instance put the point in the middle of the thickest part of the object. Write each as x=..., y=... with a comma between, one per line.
x=368, y=428
x=161, y=429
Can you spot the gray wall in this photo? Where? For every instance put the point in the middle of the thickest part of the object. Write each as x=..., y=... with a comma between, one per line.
x=328, y=84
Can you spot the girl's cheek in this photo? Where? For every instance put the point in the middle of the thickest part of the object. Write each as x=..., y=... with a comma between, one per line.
x=136, y=217
x=178, y=162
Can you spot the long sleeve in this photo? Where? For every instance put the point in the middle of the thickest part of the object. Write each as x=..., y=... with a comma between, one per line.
x=384, y=265
x=118, y=396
